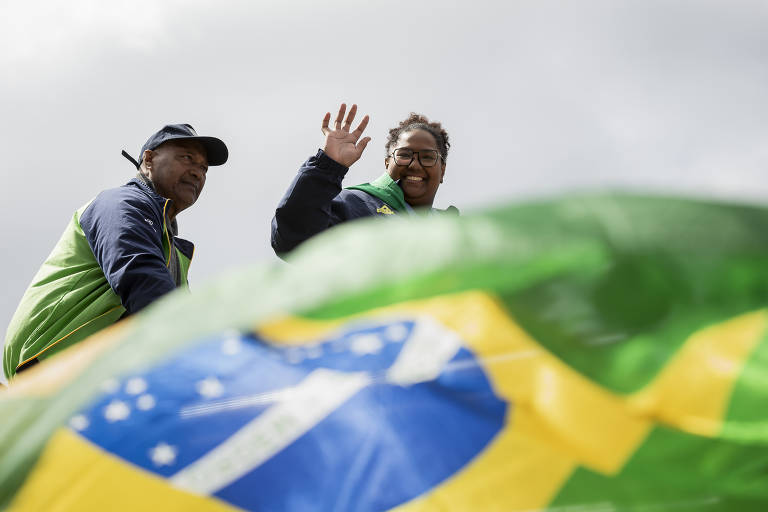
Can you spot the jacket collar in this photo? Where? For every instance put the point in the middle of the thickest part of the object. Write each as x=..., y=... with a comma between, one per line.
x=185, y=246
x=144, y=184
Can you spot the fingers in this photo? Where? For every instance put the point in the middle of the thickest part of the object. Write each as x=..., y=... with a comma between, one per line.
x=326, y=129
x=362, y=144
x=327, y=119
x=340, y=116
x=350, y=118
x=361, y=127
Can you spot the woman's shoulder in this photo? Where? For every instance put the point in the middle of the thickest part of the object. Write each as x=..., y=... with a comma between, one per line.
x=361, y=197
x=363, y=204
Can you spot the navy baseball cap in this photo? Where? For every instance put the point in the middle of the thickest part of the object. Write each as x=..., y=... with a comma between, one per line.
x=215, y=149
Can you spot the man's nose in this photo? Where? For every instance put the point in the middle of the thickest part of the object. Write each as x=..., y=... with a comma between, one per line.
x=197, y=171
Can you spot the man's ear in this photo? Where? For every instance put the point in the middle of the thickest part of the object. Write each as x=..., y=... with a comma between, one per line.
x=442, y=173
x=146, y=164
x=147, y=158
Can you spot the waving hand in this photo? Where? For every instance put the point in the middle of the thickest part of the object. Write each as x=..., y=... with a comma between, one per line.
x=340, y=144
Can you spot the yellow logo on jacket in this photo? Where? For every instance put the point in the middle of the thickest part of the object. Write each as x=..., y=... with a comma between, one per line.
x=385, y=210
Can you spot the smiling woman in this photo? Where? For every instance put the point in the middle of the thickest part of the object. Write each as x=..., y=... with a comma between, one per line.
x=417, y=150
x=417, y=141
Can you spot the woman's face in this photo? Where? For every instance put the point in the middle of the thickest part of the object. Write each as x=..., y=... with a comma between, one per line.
x=419, y=182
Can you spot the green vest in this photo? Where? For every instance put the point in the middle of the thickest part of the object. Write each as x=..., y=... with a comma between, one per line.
x=69, y=299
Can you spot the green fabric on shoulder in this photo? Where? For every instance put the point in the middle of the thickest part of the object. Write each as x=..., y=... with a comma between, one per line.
x=385, y=188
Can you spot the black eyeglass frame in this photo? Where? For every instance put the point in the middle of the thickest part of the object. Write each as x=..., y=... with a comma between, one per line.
x=415, y=153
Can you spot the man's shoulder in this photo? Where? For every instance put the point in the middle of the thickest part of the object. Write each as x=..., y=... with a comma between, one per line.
x=129, y=197
x=133, y=193
x=133, y=190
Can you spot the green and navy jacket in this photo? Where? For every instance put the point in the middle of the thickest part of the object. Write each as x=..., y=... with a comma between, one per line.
x=315, y=201
x=118, y=254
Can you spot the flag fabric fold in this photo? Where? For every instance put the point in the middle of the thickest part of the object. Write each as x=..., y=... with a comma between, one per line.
x=589, y=353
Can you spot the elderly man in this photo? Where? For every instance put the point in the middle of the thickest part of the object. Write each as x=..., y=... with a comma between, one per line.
x=119, y=252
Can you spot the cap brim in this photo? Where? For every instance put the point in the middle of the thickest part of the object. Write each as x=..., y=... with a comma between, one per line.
x=215, y=149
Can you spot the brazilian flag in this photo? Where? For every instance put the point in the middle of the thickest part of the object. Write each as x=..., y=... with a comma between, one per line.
x=587, y=354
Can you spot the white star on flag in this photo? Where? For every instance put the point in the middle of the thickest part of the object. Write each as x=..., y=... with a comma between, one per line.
x=209, y=387
x=396, y=332
x=135, y=386
x=79, y=422
x=231, y=344
x=117, y=410
x=163, y=454
x=366, y=344
x=145, y=402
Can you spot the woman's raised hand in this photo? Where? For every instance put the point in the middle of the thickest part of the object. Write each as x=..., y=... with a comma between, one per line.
x=341, y=144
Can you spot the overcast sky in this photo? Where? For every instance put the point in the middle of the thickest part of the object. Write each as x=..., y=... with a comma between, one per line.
x=539, y=97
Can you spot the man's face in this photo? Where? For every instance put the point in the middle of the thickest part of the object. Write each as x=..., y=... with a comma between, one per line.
x=177, y=169
x=419, y=183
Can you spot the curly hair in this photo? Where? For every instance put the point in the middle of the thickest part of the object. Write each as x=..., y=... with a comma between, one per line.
x=419, y=122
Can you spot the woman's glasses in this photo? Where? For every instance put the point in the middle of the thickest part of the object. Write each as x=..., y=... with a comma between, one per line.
x=404, y=157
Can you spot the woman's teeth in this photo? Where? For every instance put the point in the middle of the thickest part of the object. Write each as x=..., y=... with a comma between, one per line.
x=414, y=178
